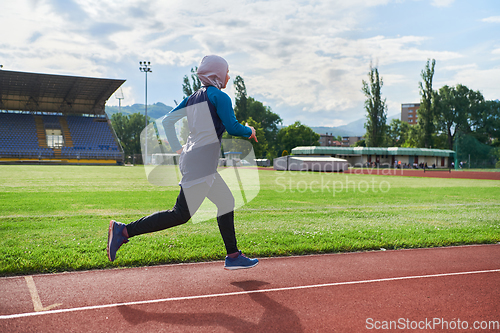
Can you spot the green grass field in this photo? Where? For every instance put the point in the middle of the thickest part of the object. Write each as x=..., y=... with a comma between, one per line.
x=55, y=218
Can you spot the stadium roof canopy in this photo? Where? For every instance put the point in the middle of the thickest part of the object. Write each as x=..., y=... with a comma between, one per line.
x=20, y=91
x=397, y=151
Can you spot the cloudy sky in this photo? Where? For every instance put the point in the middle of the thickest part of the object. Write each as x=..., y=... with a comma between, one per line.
x=305, y=59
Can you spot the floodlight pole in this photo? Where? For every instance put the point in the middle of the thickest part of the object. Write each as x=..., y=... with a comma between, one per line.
x=145, y=67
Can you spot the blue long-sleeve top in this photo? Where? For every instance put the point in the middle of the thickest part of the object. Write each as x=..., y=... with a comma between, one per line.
x=225, y=111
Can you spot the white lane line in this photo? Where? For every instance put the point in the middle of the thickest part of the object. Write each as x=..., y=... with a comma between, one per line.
x=96, y=307
x=37, y=303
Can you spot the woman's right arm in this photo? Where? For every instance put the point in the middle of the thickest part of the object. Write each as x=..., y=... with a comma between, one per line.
x=169, y=121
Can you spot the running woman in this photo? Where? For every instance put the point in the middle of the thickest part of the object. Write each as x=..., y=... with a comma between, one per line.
x=209, y=113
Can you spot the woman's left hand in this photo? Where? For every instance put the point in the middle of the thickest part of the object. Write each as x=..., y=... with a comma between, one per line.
x=253, y=133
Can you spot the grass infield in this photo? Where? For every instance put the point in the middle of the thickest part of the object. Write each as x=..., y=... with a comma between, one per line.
x=55, y=218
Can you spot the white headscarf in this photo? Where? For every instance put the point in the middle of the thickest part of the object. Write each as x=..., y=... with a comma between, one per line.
x=212, y=71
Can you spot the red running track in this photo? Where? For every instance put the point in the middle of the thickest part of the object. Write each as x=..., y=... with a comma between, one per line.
x=349, y=292
x=439, y=173
x=444, y=173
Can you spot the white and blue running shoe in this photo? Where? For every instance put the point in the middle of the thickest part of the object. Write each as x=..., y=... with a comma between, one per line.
x=240, y=262
x=115, y=238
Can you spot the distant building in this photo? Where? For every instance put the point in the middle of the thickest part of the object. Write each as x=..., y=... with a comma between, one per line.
x=307, y=163
x=328, y=140
x=409, y=113
x=348, y=141
x=380, y=156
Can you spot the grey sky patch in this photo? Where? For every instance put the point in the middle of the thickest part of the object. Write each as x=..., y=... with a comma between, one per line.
x=285, y=47
x=34, y=3
x=154, y=36
x=34, y=37
x=259, y=45
x=331, y=34
x=336, y=74
x=322, y=53
x=288, y=41
x=104, y=29
x=138, y=12
x=157, y=25
x=69, y=9
x=216, y=45
x=235, y=23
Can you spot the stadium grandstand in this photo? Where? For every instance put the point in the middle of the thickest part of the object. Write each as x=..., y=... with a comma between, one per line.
x=56, y=119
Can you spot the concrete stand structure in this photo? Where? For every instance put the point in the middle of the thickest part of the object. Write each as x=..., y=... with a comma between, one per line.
x=304, y=163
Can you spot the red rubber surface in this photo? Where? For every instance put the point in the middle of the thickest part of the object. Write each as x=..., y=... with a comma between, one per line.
x=440, y=173
x=428, y=173
x=321, y=293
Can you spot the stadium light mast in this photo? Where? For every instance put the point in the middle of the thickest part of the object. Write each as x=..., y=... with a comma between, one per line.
x=146, y=68
x=119, y=97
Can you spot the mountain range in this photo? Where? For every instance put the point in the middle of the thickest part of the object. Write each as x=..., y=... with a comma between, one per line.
x=155, y=111
x=354, y=128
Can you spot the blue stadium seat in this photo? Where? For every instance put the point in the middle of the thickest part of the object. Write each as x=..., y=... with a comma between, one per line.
x=18, y=136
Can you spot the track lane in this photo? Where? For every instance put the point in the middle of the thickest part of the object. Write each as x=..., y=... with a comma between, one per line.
x=259, y=297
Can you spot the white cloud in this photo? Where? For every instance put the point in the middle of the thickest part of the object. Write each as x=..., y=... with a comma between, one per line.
x=128, y=97
x=457, y=68
x=393, y=79
x=394, y=107
x=492, y=19
x=442, y=3
x=486, y=81
x=304, y=58
x=332, y=81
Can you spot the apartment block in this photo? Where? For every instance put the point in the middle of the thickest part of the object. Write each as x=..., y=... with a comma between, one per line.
x=409, y=113
x=348, y=141
x=328, y=140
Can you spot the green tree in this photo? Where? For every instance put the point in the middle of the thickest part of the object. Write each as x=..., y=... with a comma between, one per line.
x=240, y=108
x=259, y=148
x=296, y=135
x=360, y=143
x=414, y=137
x=376, y=109
x=463, y=110
x=488, y=121
x=426, y=112
x=478, y=119
x=479, y=154
x=246, y=107
x=263, y=114
x=190, y=87
x=450, y=114
x=397, y=133
x=184, y=131
x=128, y=130
x=496, y=155
x=120, y=125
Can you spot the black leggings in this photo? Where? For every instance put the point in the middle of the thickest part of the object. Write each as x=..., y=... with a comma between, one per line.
x=218, y=193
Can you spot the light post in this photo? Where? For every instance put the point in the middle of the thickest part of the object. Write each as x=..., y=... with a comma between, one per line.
x=146, y=67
